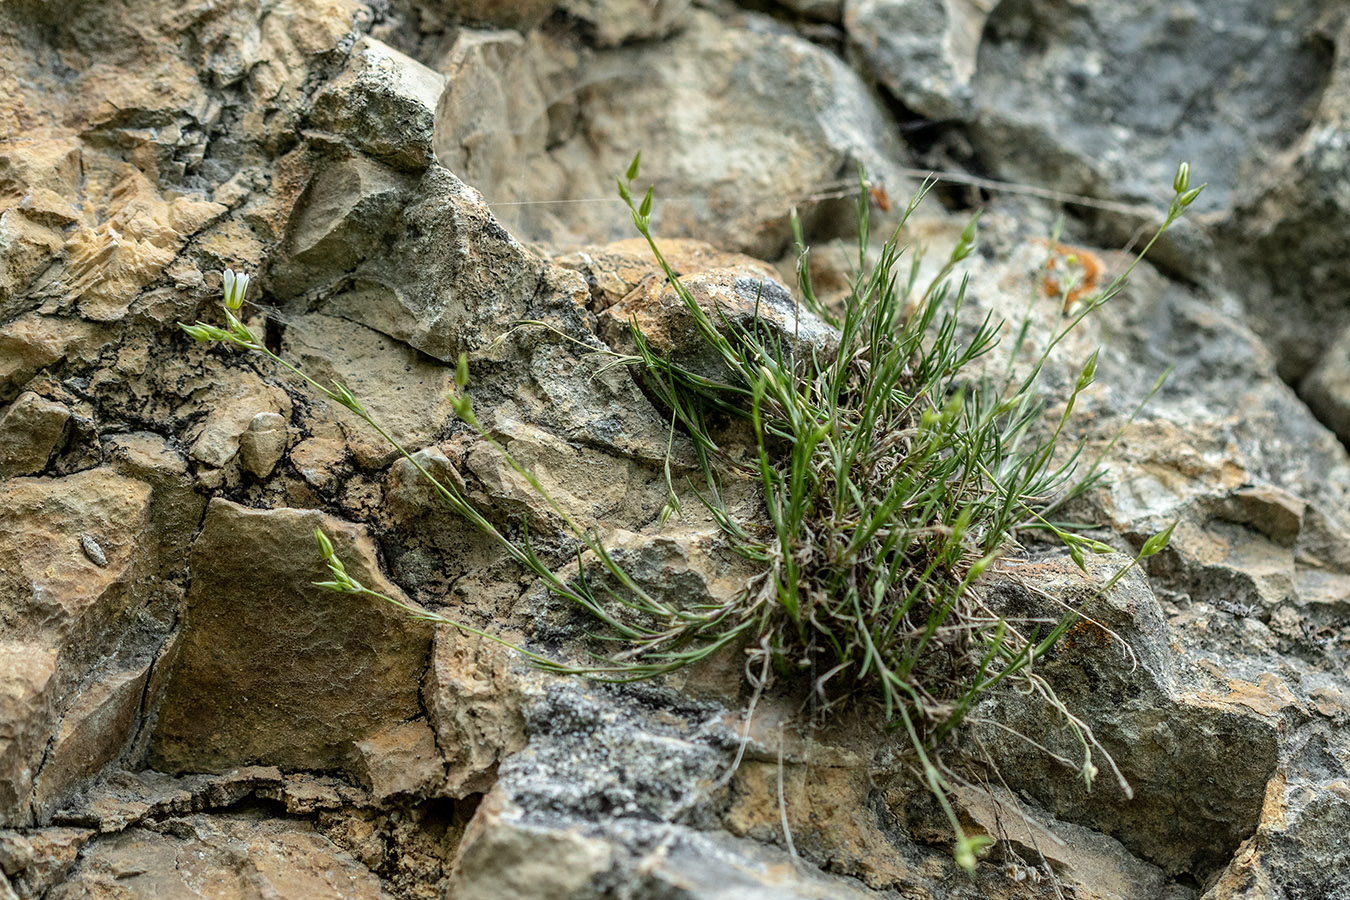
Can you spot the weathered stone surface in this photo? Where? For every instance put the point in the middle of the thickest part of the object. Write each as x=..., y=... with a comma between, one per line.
x=30, y=431
x=27, y=686
x=263, y=443
x=591, y=486
x=451, y=279
x=383, y=103
x=32, y=342
x=1327, y=387
x=77, y=561
x=923, y=51
x=94, y=731
x=714, y=131
x=142, y=152
x=229, y=411
x=739, y=301
x=340, y=221
x=1197, y=767
x=71, y=553
x=273, y=669
x=176, y=505
x=1060, y=100
x=613, y=23
x=401, y=761
x=239, y=856
x=476, y=706
x=54, y=851
x=408, y=394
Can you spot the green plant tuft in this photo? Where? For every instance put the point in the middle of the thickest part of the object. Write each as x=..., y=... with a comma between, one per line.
x=892, y=479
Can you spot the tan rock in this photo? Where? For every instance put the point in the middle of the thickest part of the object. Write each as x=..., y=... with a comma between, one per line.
x=475, y=703
x=140, y=234
x=263, y=443
x=407, y=393
x=231, y=405
x=32, y=342
x=27, y=688
x=401, y=761
x=52, y=533
x=94, y=731
x=30, y=431
x=273, y=670
x=238, y=856
x=54, y=851
x=503, y=857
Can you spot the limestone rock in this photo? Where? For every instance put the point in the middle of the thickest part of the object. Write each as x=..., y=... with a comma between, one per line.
x=1060, y=101
x=272, y=669
x=1115, y=670
x=451, y=279
x=1327, y=387
x=229, y=412
x=587, y=484
x=340, y=221
x=30, y=431
x=141, y=233
x=383, y=103
x=94, y=731
x=737, y=300
x=32, y=342
x=923, y=51
x=726, y=156
x=263, y=443
x=63, y=610
x=239, y=856
x=407, y=393
x=401, y=761
x=476, y=707
x=27, y=686
x=613, y=23
x=176, y=506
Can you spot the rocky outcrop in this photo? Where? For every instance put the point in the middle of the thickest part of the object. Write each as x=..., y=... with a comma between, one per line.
x=181, y=707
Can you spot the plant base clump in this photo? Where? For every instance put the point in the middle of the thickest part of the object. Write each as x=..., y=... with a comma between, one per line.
x=892, y=479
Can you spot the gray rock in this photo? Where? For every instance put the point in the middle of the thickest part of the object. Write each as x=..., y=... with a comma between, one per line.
x=341, y=220
x=613, y=23
x=1327, y=387
x=450, y=279
x=383, y=103
x=1105, y=100
x=923, y=51
x=1115, y=671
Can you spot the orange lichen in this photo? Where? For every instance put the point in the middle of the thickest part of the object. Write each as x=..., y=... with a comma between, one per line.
x=880, y=197
x=1083, y=270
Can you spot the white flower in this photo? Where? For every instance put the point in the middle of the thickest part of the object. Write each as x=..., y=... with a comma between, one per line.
x=236, y=286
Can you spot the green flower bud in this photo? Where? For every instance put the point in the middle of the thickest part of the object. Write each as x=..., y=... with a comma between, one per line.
x=1182, y=180
x=633, y=166
x=1188, y=198
x=325, y=545
x=1158, y=542
x=1089, y=370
